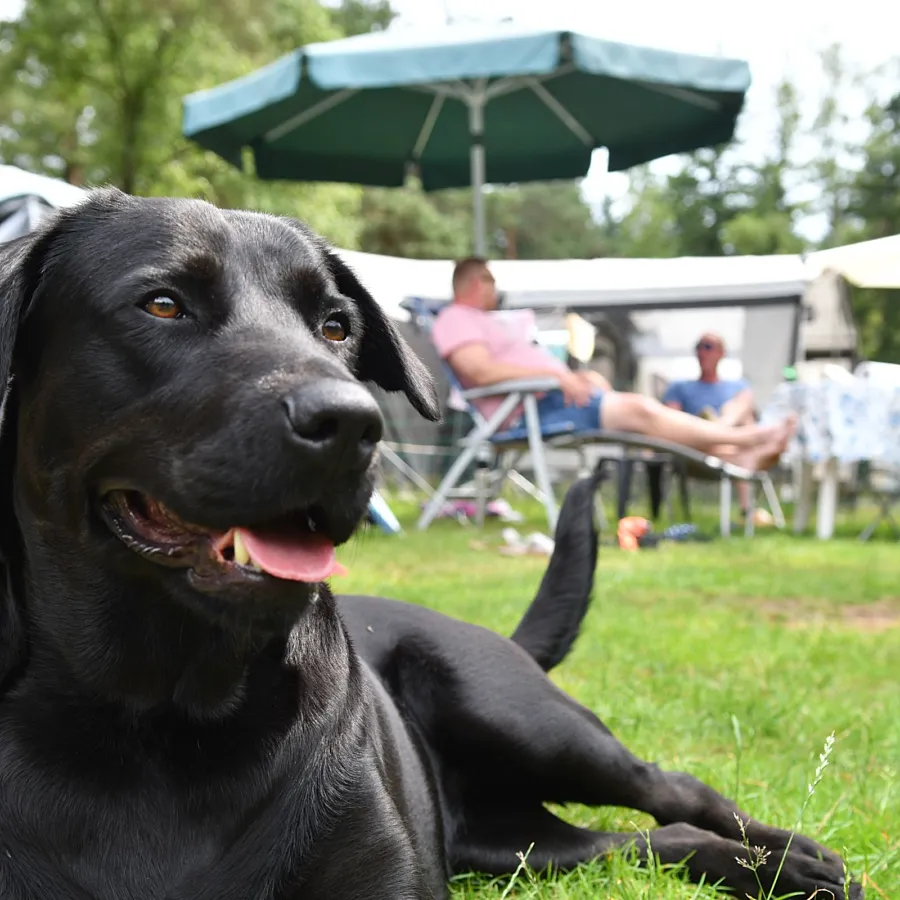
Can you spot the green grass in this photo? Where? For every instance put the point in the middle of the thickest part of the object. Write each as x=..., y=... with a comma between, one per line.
x=733, y=660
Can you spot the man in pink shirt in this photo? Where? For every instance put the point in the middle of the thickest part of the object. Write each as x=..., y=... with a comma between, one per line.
x=482, y=351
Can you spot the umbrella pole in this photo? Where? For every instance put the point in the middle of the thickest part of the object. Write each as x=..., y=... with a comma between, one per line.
x=476, y=158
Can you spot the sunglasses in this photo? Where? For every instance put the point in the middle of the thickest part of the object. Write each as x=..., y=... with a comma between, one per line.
x=706, y=345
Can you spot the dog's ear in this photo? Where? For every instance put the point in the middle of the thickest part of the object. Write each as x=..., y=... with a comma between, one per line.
x=14, y=296
x=19, y=274
x=16, y=288
x=385, y=358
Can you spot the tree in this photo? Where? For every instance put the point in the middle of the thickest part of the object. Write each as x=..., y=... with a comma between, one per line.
x=682, y=214
x=833, y=163
x=406, y=222
x=96, y=88
x=763, y=209
x=545, y=220
x=360, y=17
x=648, y=227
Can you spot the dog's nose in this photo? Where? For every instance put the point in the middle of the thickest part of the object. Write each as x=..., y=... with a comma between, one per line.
x=334, y=420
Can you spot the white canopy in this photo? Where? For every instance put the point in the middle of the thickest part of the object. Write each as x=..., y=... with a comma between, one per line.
x=16, y=182
x=583, y=284
x=873, y=264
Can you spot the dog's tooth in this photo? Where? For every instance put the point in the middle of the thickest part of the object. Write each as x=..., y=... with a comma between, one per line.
x=241, y=556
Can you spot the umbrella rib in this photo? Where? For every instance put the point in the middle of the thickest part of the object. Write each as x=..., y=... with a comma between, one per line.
x=518, y=82
x=307, y=115
x=687, y=96
x=458, y=91
x=428, y=126
x=561, y=112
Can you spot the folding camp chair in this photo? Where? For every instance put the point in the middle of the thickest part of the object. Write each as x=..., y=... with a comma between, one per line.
x=529, y=436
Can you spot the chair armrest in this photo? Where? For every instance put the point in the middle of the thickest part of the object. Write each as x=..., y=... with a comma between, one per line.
x=517, y=385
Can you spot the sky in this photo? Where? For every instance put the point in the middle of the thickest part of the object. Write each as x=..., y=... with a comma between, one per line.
x=776, y=37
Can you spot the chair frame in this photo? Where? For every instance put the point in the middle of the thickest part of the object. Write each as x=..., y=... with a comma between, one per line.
x=524, y=393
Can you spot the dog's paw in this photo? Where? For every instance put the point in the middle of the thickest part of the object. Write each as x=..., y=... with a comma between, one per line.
x=808, y=847
x=807, y=877
x=778, y=841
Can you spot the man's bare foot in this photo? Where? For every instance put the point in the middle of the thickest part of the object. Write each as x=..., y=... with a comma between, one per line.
x=766, y=455
x=766, y=434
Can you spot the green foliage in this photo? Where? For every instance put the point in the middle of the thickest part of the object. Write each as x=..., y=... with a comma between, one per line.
x=406, y=222
x=96, y=86
x=360, y=17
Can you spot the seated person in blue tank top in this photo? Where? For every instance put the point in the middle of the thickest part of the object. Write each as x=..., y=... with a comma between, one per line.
x=728, y=402
x=703, y=398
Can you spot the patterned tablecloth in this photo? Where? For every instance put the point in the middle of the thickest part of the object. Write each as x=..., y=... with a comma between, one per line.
x=847, y=422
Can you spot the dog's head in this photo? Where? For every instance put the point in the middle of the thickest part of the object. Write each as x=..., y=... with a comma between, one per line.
x=185, y=413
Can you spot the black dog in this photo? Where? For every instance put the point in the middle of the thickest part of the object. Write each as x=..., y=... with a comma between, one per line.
x=185, y=711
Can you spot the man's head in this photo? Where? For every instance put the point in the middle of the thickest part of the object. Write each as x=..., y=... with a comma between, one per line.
x=473, y=284
x=710, y=349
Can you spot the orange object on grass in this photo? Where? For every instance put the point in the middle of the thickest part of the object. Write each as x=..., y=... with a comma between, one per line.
x=631, y=529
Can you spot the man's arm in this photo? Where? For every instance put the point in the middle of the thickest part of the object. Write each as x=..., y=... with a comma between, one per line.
x=671, y=397
x=474, y=364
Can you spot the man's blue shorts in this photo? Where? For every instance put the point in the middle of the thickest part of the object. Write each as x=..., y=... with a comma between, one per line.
x=555, y=415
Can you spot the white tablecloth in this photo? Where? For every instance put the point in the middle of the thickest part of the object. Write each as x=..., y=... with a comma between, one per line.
x=846, y=422
x=837, y=423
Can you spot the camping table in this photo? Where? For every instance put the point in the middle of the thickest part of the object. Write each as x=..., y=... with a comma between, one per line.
x=837, y=423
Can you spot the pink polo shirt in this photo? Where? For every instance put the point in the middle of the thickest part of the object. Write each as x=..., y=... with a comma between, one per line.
x=457, y=325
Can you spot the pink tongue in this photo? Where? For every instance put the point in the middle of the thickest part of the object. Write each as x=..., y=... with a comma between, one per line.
x=308, y=557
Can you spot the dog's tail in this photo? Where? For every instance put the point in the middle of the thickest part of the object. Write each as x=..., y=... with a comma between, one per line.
x=550, y=625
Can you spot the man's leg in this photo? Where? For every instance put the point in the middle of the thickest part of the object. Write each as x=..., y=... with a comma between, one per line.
x=752, y=446
x=739, y=410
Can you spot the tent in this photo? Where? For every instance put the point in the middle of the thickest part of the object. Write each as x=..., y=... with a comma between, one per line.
x=26, y=198
x=757, y=301
x=873, y=264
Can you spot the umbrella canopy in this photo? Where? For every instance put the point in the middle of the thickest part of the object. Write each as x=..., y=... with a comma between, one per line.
x=468, y=106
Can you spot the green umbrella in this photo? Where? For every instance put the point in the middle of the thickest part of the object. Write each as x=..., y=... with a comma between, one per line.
x=468, y=106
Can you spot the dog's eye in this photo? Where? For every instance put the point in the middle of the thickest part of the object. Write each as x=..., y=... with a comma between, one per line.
x=335, y=330
x=163, y=308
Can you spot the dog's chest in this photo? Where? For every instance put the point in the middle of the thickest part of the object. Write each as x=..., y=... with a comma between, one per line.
x=158, y=857
x=148, y=841
x=109, y=852
x=141, y=837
